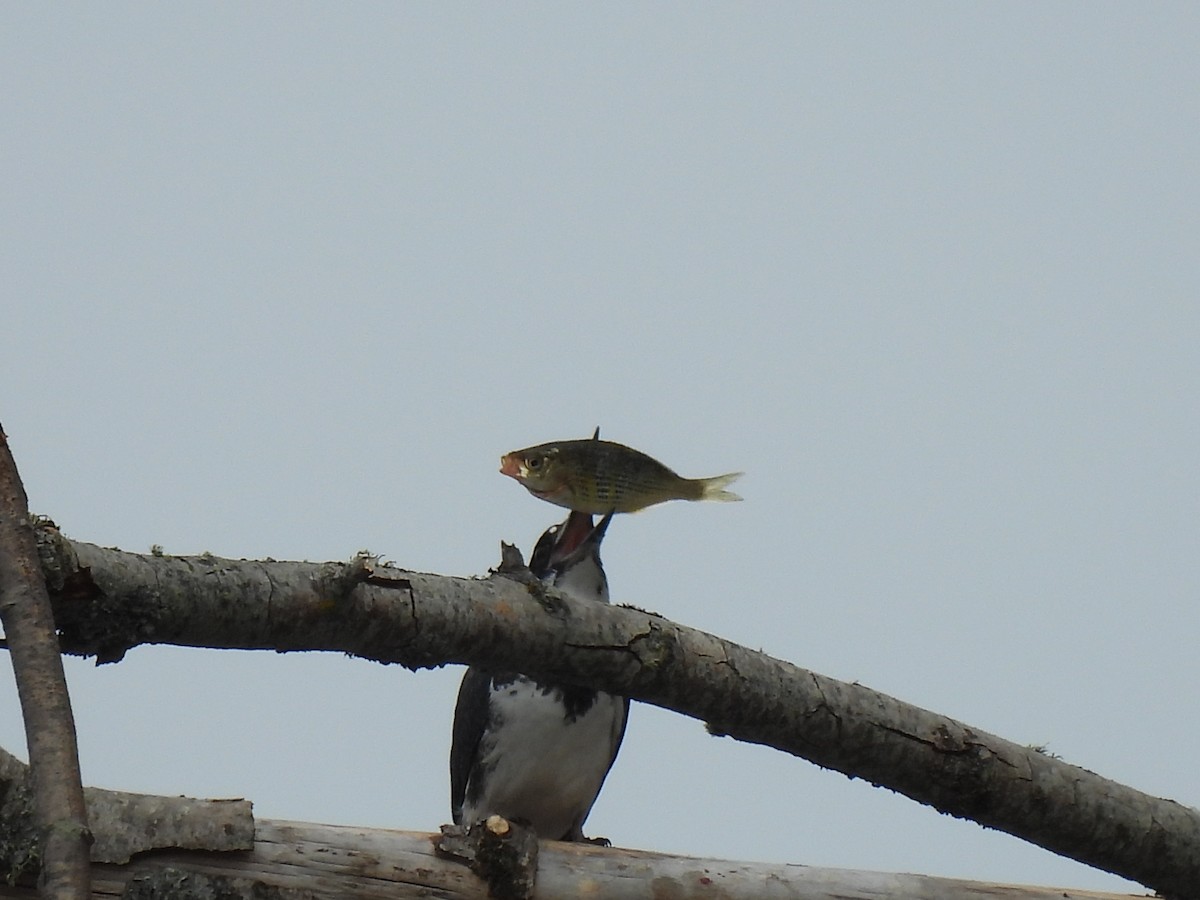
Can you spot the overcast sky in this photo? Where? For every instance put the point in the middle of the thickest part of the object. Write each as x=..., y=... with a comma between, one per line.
x=286, y=279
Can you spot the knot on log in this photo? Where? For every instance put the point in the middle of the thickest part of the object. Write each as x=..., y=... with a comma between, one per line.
x=502, y=853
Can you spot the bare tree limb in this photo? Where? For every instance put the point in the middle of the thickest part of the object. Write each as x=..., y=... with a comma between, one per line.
x=42, y=687
x=108, y=601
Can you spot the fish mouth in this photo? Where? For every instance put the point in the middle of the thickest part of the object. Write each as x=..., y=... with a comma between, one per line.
x=513, y=466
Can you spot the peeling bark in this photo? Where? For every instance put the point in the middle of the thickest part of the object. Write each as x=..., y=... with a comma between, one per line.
x=124, y=824
x=110, y=601
x=179, y=884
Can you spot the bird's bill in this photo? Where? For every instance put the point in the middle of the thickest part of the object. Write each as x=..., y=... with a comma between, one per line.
x=576, y=534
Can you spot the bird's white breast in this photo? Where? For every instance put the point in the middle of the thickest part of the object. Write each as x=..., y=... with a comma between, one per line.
x=543, y=766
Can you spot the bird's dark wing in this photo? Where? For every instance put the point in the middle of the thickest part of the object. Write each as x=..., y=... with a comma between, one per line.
x=470, y=720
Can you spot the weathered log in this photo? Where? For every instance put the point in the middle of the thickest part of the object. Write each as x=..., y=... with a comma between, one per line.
x=304, y=859
x=148, y=846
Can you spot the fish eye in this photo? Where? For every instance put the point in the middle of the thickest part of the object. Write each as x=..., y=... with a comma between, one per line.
x=534, y=462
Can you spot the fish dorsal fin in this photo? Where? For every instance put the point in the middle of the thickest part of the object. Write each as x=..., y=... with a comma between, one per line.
x=596, y=434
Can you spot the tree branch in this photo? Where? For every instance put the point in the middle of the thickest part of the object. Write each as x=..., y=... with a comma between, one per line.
x=29, y=630
x=107, y=601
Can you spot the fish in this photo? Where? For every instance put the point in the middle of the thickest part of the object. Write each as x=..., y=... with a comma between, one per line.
x=598, y=477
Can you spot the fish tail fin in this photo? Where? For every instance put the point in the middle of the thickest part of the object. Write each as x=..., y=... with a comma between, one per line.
x=714, y=488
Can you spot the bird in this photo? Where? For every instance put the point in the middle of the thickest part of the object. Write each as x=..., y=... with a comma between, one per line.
x=532, y=751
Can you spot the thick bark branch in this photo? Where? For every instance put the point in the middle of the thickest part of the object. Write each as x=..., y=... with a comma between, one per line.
x=29, y=630
x=107, y=601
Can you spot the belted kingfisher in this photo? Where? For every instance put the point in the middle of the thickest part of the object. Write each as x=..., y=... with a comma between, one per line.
x=533, y=752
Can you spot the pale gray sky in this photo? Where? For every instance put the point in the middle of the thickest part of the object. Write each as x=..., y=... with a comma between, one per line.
x=286, y=279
